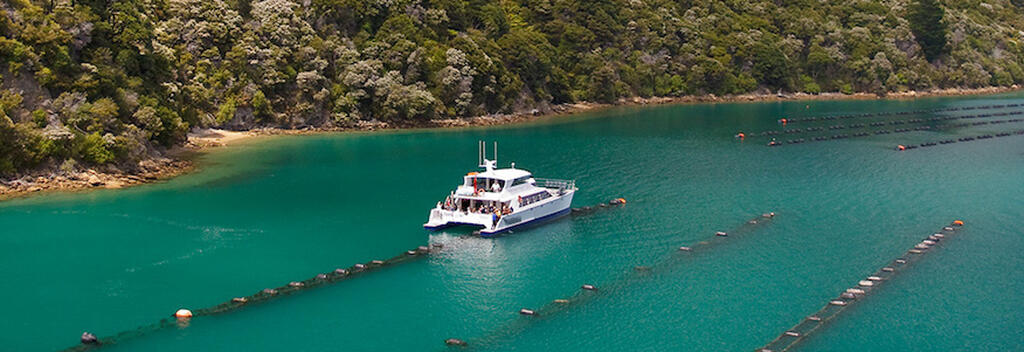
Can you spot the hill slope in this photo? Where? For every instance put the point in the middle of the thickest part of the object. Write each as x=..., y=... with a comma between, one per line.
x=98, y=82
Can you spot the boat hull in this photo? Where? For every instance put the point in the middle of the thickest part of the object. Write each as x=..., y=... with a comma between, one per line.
x=548, y=209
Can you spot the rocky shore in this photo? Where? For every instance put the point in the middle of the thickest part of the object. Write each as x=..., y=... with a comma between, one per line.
x=148, y=170
x=177, y=161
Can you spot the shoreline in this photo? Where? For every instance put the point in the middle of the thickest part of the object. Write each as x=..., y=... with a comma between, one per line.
x=178, y=161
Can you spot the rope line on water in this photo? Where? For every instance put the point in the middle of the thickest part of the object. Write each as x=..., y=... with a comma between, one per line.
x=774, y=143
x=589, y=292
x=852, y=295
x=183, y=316
x=891, y=113
x=903, y=147
x=801, y=131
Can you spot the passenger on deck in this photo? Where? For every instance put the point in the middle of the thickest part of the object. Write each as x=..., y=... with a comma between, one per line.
x=495, y=187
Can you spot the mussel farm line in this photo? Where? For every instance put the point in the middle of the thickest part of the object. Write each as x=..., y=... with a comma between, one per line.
x=806, y=130
x=880, y=132
x=588, y=292
x=903, y=147
x=182, y=316
x=891, y=113
x=852, y=295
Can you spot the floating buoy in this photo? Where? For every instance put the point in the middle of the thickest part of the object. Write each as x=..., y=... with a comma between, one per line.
x=410, y=252
x=321, y=276
x=183, y=314
x=455, y=342
x=270, y=291
x=947, y=228
x=855, y=291
x=848, y=295
x=377, y=262
x=561, y=301
x=589, y=287
x=239, y=300
x=741, y=136
x=89, y=339
x=874, y=278
x=720, y=233
x=422, y=248
x=901, y=261
x=901, y=147
x=685, y=249
x=792, y=333
x=525, y=311
x=939, y=235
x=295, y=284
x=958, y=222
x=814, y=318
x=928, y=242
x=866, y=283
x=915, y=251
x=888, y=269
x=341, y=271
x=360, y=266
x=837, y=303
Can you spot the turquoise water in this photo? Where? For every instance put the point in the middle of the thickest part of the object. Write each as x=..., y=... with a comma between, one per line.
x=274, y=210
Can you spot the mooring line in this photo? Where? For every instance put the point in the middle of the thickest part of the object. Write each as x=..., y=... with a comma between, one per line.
x=852, y=295
x=807, y=130
x=183, y=316
x=589, y=292
x=903, y=147
x=785, y=120
x=775, y=143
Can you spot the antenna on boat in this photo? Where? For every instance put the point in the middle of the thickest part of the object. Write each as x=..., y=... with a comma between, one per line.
x=482, y=156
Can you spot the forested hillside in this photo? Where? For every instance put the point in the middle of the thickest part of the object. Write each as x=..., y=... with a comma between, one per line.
x=90, y=82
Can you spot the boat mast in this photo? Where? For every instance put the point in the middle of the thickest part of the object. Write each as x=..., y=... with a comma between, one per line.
x=482, y=156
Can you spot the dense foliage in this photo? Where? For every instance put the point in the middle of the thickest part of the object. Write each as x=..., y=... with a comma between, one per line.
x=96, y=81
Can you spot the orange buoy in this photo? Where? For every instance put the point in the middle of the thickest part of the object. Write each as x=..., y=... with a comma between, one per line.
x=623, y=201
x=901, y=147
x=183, y=314
x=741, y=136
x=783, y=120
x=958, y=223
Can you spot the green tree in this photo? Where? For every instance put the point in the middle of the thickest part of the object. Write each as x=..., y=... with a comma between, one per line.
x=925, y=17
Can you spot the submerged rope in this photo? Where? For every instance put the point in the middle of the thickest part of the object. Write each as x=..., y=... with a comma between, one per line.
x=890, y=113
x=903, y=147
x=800, y=131
x=589, y=292
x=809, y=325
x=90, y=341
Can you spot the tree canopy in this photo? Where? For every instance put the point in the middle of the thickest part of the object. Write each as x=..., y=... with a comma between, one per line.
x=114, y=81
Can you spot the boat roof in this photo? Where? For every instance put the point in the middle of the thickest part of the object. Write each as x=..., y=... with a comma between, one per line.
x=503, y=174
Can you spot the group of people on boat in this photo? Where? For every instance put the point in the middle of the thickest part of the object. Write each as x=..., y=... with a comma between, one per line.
x=451, y=205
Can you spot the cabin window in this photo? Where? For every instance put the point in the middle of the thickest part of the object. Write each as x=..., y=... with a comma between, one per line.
x=483, y=183
x=519, y=181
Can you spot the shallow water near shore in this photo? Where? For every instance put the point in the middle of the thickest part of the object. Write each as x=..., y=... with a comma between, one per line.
x=280, y=209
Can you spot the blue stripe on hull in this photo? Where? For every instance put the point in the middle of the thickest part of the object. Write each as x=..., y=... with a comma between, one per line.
x=542, y=218
x=451, y=224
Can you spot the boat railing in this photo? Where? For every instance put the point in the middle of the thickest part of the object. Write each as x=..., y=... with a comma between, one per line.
x=556, y=183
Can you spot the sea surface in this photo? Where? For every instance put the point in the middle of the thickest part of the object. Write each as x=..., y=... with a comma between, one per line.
x=277, y=209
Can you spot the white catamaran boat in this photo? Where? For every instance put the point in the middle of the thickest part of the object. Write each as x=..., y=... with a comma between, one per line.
x=497, y=200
